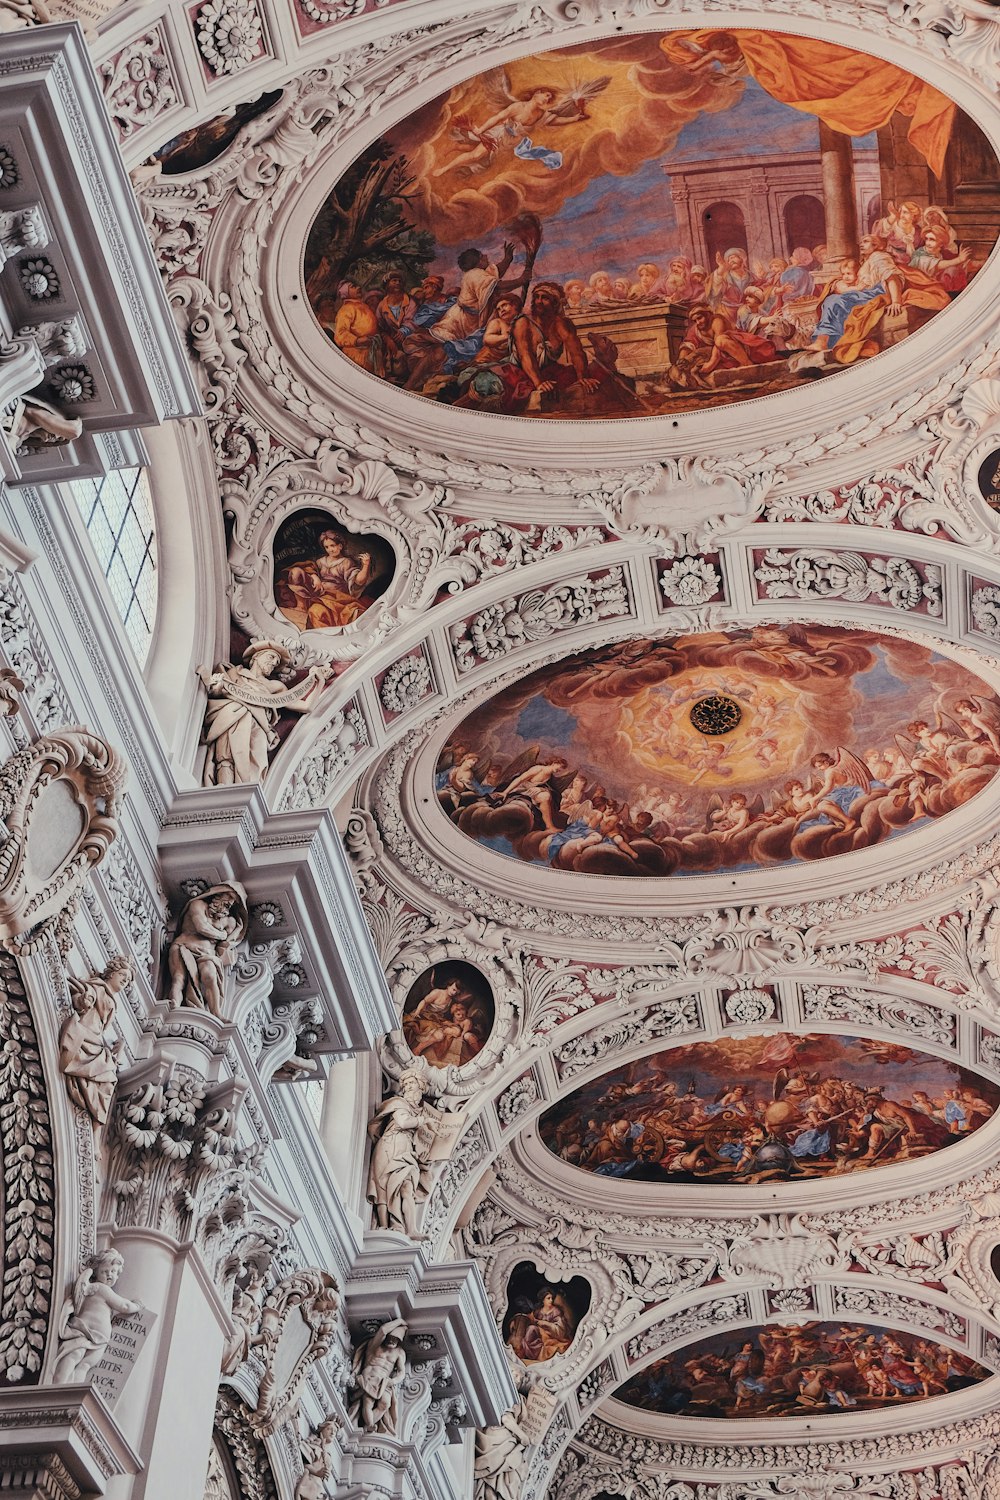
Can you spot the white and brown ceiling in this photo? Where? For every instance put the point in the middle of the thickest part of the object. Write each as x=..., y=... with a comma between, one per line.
x=819, y=557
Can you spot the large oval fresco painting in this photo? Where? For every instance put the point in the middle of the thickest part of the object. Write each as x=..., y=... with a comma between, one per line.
x=794, y=1369
x=767, y=1108
x=653, y=223
x=727, y=751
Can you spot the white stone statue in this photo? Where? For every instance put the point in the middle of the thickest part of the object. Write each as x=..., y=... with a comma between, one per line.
x=501, y=1459
x=87, y=1316
x=378, y=1367
x=318, y=1461
x=403, y=1129
x=211, y=927
x=37, y=415
x=89, y=1063
x=243, y=707
x=247, y=1309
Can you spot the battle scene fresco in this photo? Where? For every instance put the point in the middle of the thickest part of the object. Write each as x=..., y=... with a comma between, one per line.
x=790, y=1369
x=325, y=577
x=542, y=1316
x=448, y=1014
x=727, y=751
x=767, y=1108
x=653, y=223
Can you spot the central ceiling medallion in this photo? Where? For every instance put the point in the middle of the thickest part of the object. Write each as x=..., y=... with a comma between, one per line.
x=716, y=714
x=652, y=223
x=734, y=750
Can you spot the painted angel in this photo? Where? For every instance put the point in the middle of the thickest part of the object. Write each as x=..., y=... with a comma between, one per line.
x=515, y=116
x=841, y=779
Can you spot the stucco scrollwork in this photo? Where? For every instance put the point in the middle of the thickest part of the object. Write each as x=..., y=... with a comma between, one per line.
x=366, y=498
x=298, y=1326
x=59, y=803
x=811, y=573
x=509, y=623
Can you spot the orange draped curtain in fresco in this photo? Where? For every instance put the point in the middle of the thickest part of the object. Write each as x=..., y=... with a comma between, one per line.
x=850, y=91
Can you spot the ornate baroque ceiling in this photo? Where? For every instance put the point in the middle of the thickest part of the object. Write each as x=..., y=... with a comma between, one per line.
x=664, y=717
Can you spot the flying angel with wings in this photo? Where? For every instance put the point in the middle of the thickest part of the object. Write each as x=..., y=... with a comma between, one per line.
x=517, y=114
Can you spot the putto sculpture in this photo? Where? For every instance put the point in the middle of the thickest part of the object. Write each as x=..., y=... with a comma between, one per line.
x=243, y=707
x=87, y=1316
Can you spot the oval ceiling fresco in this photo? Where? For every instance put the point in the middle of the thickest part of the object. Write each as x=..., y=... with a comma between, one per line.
x=767, y=1108
x=724, y=751
x=651, y=224
x=792, y=1369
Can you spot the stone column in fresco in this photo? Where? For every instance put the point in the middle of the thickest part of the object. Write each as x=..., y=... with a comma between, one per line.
x=837, y=166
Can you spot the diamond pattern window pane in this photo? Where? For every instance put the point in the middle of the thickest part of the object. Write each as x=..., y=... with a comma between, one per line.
x=118, y=515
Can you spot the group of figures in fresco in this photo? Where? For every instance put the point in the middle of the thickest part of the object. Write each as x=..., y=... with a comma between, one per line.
x=522, y=246
x=448, y=1014
x=324, y=576
x=796, y=1368
x=736, y=750
x=542, y=1317
x=767, y=1108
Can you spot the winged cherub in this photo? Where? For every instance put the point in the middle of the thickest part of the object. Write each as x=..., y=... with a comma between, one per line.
x=515, y=115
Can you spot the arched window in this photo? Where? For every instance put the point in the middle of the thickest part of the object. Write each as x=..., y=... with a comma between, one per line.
x=118, y=514
x=805, y=222
x=725, y=229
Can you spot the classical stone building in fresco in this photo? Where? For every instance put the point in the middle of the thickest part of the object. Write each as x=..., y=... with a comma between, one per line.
x=775, y=207
x=499, y=734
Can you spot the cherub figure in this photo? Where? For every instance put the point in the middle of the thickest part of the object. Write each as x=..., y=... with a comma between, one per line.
x=515, y=114
x=378, y=1367
x=85, y=1324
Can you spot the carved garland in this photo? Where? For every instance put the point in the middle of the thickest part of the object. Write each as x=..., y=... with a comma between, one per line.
x=28, y=1186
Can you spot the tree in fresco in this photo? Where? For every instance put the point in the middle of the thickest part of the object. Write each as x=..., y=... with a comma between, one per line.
x=366, y=229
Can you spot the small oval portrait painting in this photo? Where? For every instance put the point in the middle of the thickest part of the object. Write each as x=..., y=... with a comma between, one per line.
x=542, y=1316
x=326, y=577
x=448, y=1014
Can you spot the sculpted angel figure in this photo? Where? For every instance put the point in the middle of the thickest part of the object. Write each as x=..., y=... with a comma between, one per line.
x=317, y=1460
x=87, y=1060
x=378, y=1367
x=85, y=1324
x=204, y=947
x=402, y=1129
x=514, y=116
x=243, y=707
x=501, y=1463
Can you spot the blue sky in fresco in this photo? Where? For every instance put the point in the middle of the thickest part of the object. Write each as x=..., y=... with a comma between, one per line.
x=587, y=234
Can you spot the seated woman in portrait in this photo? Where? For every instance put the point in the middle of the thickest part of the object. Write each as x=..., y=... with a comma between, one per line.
x=330, y=589
x=544, y=1332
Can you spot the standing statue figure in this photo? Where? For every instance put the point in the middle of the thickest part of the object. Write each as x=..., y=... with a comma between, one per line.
x=402, y=1129
x=204, y=946
x=501, y=1463
x=317, y=1461
x=247, y=1310
x=85, y=1323
x=87, y=1061
x=378, y=1367
x=243, y=708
